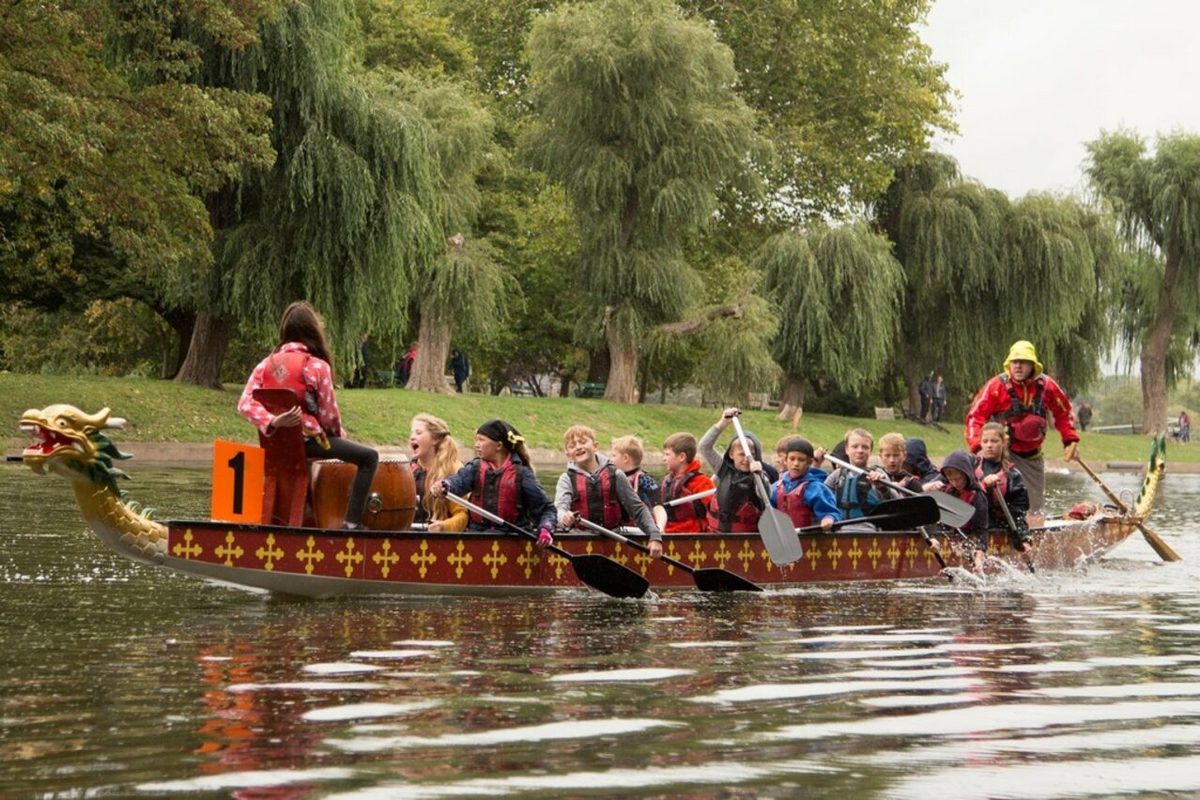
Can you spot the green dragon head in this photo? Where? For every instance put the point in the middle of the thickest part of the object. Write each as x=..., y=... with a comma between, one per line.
x=72, y=443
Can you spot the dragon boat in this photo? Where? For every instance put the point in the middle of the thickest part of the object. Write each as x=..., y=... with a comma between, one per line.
x=310, y=556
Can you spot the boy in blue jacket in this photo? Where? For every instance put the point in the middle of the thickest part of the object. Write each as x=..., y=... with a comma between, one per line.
x=801, y=492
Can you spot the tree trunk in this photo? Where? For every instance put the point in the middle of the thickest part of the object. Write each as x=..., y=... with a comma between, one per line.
x=183, y=323
x=1154, y=352
x=433, y=346
x=598, y=365
x=623, y=367
x=913, y=374
x=206, y=353
x=791, y=404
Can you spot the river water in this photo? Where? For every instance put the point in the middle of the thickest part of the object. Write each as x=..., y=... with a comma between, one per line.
x=121, y=680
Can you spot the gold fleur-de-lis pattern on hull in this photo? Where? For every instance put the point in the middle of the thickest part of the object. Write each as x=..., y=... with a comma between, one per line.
x=486, y=560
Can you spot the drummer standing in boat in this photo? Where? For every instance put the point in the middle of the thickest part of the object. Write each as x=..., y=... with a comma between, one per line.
x=1020, y=398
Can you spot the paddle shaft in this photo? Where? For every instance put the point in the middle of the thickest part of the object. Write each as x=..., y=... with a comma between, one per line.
x=760, y=479
x=591, y=526
x=498, y=520
x=678, y=501
x=1012, y=523
x=1153, y=539
x=842, y=523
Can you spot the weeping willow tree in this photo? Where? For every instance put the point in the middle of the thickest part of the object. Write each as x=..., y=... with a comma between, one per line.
x=838, y=290
x=346, y=214
x=637, y=118
x=982, y=271
x=1156, y=197
x=461, y=286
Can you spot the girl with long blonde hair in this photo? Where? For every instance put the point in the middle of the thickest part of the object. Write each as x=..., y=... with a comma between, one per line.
x=435, y=456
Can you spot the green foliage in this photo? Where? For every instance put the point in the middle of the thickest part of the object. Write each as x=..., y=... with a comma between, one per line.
x=117, y=337
x=982, y=271
x=844, y=90
x=638, y=122
x=106, y=147
x=349, y=210
x=838, y=291
x=411, y=35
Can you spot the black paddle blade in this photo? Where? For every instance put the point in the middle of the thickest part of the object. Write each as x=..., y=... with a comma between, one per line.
x=907, y=513
x=605, y=575
x=722, y=580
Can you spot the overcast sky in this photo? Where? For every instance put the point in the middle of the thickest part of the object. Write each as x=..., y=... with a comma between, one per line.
x=1038, y=78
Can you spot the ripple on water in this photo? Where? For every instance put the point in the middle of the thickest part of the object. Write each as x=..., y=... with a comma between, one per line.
x=601, y=676
x=352, y=711
x=553, y=731
x=340, y=668
x=385, y=654
x=1060, y=779
x=250, y=779
x=980, y=719
x=785, y=691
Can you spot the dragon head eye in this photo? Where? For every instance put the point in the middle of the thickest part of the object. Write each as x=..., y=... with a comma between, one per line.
x=60, y=422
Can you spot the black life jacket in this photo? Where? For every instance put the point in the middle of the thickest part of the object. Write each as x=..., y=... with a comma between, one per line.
x=594, y=497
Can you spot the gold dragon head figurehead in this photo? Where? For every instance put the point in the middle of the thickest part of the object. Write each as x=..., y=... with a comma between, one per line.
x=72, y=443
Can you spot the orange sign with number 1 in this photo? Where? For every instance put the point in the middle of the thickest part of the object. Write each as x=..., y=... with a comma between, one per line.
x=237, y=482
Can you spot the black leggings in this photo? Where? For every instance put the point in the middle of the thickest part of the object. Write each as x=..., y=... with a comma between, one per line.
x=365, y=458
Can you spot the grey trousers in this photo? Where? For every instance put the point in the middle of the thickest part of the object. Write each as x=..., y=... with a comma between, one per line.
x=1033, y=473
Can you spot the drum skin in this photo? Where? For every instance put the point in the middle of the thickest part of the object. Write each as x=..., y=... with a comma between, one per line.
x=391, y=503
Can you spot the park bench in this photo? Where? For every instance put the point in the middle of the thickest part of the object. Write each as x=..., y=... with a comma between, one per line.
x=590, y=389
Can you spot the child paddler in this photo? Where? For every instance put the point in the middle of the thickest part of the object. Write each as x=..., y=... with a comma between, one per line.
x=855, y=493
x=801, y=492
x=891, y=460
x=958, y=480
x=594, y=489
x=684, y=478
x=627, y=455
x=435, y=456
x=997, y=475
x=736, y=506
x=500, y=479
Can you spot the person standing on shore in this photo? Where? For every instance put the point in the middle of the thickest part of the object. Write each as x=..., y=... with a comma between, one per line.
x=1020, y=398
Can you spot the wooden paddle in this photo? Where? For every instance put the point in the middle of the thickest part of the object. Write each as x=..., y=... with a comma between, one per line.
x=774, y=527
x=1012, y=523
x=597, y=571
x=1153, y=539
x=954, y=512
x=904, y=513
x=708, y=579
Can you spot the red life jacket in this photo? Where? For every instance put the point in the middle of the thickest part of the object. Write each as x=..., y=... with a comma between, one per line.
x=286, y=371
x=1002, y=474
x=594, y=497
x=1026, y=424
x=792, y=503
x=498, y=490
x=742, y=519
x=673, y=488
x=419, y=474
x=966, y=495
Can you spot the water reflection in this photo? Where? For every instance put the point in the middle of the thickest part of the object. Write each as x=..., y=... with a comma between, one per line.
x=126, y=680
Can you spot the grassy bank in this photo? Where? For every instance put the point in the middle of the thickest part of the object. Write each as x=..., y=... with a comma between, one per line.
x=161, y=411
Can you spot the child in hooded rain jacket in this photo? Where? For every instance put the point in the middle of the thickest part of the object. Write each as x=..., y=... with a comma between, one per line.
x=958, y=480
x=736, y=506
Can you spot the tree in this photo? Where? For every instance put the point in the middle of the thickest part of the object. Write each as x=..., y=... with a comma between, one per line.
x=107, y=148
x=637, y=119
x=844, y=91
x=982, y=271
x=839, y=292
x=349, y=208
x=1156, y=197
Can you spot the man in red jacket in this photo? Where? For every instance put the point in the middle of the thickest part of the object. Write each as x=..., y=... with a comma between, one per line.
x=1020, y=397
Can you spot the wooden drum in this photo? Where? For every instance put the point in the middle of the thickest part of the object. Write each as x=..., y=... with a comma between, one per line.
x=391, y=503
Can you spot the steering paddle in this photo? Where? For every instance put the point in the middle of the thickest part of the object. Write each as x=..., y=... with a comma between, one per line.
x=597, y=571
